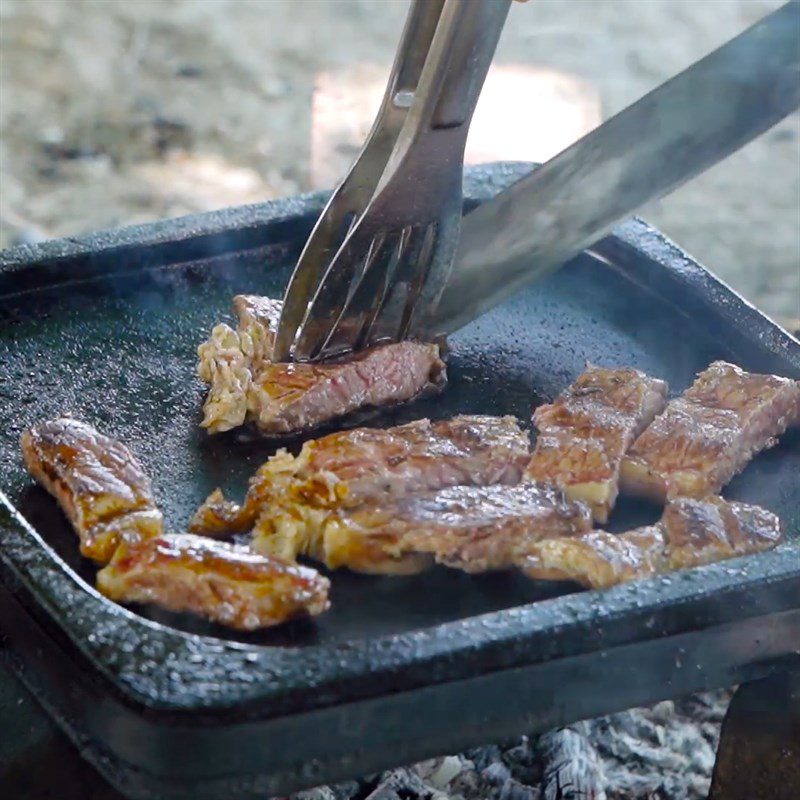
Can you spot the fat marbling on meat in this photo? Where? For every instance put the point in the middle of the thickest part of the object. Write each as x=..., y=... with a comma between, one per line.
x=226, y=583
x=472, y=528
x=349, y=468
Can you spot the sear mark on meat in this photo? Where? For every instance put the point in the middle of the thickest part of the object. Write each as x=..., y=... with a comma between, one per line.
x=278, y=398
x=98, y=482
x=586, y=431
x=228, y=584
x=691, y=532
x=710, y=433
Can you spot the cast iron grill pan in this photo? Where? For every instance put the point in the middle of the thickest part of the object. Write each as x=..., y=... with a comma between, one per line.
x=107, y=328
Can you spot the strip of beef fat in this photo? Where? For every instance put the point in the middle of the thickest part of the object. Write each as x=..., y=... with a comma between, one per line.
x=586, y=431
x=710, y=433
x=246, y=386
x=691, y=532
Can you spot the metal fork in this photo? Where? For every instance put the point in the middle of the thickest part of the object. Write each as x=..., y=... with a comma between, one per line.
x=396, y=217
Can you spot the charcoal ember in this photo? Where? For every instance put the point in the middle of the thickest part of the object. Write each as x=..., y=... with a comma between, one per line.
x=441, y=772
x=664, y=752
x=658, y=752
x=570, y=766
x=482, y=757
x=706, y=706
x=318, y=793
x=470, y=785
x=710, y=732
x=514, y=790
x=523, y=763
x=347, y=790
x=404, y=784
x=496, y=773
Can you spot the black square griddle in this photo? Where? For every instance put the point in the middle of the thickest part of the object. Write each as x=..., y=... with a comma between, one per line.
x=107, y=326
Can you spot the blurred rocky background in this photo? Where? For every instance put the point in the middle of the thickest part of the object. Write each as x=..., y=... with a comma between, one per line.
x=115, y=112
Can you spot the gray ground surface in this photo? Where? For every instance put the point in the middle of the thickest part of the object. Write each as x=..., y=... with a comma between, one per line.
x=113, y=112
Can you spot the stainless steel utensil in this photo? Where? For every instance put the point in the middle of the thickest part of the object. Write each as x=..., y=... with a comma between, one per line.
x=675, y=132
x=396, y=217
x=355, y=191
x=680, y=129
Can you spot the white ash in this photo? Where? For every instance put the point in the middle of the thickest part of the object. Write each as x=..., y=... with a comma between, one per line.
x=572, y=768
x=664, y=752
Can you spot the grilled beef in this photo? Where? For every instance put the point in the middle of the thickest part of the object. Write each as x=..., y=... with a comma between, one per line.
x=710, y=433
x=473, y=528
x=291, y=499
x=691, y=532
x=245, y=386
x=713, y=529
x=598, y=559
x=98, y=482
x=225, y=583
x=586, y=431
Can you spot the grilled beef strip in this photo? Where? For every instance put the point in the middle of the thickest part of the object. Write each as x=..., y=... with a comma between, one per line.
x=710, y=433
x=291, y=497
x=228, y=584
x=473, y=528
x=586, y=431
x=107, y=497
x=691, y=532
x=278, y=398
x=98, y=482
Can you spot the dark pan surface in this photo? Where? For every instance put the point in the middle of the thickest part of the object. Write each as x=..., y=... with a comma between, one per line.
x=401, y=668
x=120, y=353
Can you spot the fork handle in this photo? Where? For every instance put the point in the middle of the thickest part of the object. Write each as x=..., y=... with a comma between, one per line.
x=458, y=60
x=423, y=18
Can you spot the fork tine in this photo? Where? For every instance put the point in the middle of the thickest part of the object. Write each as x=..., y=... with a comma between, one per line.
x=328, y=235
x=365, y=300
x=387, y=321
x=424, y=295
x=378, y=325
x=335, y=290
x=429, y=241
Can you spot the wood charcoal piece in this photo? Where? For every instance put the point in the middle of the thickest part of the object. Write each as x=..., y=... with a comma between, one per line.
x=571, y=767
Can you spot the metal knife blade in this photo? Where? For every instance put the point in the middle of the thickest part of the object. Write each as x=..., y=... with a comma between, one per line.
x=680, y=129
